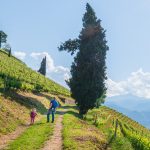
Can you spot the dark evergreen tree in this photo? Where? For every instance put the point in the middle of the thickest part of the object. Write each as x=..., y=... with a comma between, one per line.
x=42, y=69
x=88, y=71
x=3, y=38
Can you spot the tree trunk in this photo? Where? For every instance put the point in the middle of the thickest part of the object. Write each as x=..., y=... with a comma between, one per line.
x=82, y=112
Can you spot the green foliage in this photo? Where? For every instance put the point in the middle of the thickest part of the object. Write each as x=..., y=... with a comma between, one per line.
x=3, y=37
x=70, y=46
x=27, y=86
x=138, y=141
x=7, y=48
x=88, y=70
x=128, y=130
x=42, y=69
x=14, y=74
x=100, y=100
x=121, y=143
x=38, y=87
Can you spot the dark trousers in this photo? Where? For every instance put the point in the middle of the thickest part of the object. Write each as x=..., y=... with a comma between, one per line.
x=51, y=111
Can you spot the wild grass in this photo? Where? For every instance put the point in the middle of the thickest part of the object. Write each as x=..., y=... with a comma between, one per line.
x=105, y=120
x=34, y=137
x=121, y=143
x=15, y=110
x=78, y=135
x=11, y=115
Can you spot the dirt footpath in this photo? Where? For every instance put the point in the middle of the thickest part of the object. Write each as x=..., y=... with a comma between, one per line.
x=55, y=142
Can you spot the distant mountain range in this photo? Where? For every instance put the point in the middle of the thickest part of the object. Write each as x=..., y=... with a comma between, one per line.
x=134, y=107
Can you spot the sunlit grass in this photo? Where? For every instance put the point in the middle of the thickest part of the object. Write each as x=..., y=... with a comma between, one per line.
x=105, y=118
x=77, y=134
x=34, y=137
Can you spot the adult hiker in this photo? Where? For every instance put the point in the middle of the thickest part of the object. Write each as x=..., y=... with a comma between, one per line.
x=52, y=108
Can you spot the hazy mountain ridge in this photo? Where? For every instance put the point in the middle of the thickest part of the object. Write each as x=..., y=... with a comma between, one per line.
x=132, y=106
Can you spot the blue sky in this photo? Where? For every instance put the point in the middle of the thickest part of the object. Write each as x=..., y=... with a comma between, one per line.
x=36, y=28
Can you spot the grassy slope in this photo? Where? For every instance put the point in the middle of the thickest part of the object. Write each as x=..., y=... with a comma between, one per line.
x=78, y=135
x=11, y=115
x=15, y=109
x=105, y=120
x=81, y=134
x=19, y=76
x=15, y=105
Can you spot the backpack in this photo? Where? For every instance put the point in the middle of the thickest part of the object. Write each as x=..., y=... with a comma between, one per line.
x=55, y=104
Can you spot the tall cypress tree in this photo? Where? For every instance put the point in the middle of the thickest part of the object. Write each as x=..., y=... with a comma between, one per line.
x=42, y=69
x=88, y=71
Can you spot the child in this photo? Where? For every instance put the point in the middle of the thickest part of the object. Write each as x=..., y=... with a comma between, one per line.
x=32, y=115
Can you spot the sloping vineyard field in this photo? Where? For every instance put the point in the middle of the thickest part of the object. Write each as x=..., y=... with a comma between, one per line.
x=106, y=119
x=14, y=74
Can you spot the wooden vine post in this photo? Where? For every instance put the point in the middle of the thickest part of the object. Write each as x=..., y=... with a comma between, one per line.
x=5, y=84
x=116, y=126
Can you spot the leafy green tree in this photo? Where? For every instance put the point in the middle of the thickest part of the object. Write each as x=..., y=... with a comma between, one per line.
x=42, y=69
x=3, y=38
x=88, y=71
x=7, y=48
x=100, y=100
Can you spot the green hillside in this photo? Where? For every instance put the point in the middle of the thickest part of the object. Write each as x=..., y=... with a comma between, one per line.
x=14, y=74
x=96, y=131
x=101, y=128
x=128, y=130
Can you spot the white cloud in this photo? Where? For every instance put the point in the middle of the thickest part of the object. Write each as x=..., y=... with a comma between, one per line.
x=115, y=88
x=138, y=83
x=61, y=69
x=20, y=55
x=50, y=63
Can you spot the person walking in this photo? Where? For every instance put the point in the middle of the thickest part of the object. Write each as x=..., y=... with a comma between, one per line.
x=52, y=108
